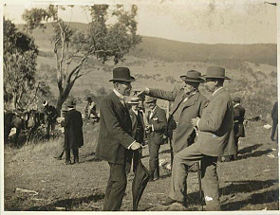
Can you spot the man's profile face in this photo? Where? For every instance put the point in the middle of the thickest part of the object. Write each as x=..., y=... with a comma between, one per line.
x=124, y=88
x=188, y=87
x=210, y=85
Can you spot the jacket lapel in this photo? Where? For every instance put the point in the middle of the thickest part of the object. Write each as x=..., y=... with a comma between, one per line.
x=177, y=103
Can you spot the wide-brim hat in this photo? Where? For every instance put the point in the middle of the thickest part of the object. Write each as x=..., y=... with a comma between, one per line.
x=192, y=76
x=71, y=103
x=216, y=73
x=150, y=100
x=122, y=74
x=236, y=99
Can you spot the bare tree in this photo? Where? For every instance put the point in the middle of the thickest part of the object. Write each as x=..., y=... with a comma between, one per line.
x=72, y=48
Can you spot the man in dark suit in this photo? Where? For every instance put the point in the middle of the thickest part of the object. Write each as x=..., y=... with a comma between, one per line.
x=155, y=129
x=73, y=132
x=138, y=131
x=115, y=137
x=214, y=128
x=274, y=116
x=188, y=104
x=231, y=150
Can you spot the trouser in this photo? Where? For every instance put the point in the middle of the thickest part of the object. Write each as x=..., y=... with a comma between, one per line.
x=183, y=160
x=133, y=158
x=274, y=129
x=115, y=187
x=153, y=161
x=75, y=151
x=50, y=128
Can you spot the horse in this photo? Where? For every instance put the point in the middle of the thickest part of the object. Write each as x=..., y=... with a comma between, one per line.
x=27, y=122
x=12, y=120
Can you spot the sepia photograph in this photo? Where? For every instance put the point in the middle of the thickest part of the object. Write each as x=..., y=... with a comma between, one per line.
x=152, y=106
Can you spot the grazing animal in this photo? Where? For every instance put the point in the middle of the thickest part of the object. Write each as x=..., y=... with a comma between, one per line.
x=12, y=120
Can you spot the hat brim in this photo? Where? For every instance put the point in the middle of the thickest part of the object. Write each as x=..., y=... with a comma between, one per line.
x=194, y=80
x=148, y=102
x=217, y=77
x=123, y=80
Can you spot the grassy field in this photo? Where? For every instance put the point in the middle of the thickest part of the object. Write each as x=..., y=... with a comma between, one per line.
x=250, y=183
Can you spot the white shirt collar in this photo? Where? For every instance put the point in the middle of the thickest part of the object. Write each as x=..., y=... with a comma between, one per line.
x=216, y=91
x=236, y=104
x=121, y=97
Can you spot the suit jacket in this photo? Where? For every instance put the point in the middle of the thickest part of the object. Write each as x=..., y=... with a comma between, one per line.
x=159, y=123
x=189, y=109
x=216, y=124
x=115, y=130
x=73, y=126
x=138, y=127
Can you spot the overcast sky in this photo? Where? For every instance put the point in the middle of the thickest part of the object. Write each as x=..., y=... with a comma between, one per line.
x=198, y=21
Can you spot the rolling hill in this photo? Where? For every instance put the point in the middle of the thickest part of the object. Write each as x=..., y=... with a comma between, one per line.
x=170, y=51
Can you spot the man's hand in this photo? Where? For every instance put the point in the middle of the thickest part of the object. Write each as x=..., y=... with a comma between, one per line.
x=144, y=91
x=148, y=128
x=135, y=146
x=195, y=121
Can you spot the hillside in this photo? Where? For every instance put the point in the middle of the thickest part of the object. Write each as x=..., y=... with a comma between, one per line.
x=168, y=50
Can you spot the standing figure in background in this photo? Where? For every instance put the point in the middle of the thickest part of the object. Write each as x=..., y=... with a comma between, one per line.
x=155, y=129
x=138, y=132
x=274, y=116
x=50, y=118
x=231, y=150
x=73, y=132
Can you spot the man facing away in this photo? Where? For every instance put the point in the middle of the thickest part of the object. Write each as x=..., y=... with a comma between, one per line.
x=115, y=137
x=188, y=104
x=73, y=132
x=231, y=151
x=214, y=129
x=155, y=129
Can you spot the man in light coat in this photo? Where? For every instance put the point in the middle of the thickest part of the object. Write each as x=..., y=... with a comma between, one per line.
x=214, y=129
x=188, y=104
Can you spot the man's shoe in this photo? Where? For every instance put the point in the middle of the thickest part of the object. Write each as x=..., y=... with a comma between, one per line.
x=67, y=163
x=155, y=179
x=58, y=158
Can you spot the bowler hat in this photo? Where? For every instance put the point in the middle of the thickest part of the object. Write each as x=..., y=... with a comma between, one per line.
x=216, y=73
x=192, y=76
x=122, y=74
x=151, y=100
x=236, y=99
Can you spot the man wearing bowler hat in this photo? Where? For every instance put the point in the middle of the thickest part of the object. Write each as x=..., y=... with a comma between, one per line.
x=214, y=127
x=155, y=129
x=188, y=103
x=115, y=137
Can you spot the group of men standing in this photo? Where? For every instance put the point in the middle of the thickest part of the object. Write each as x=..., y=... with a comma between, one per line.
x=201, y=130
